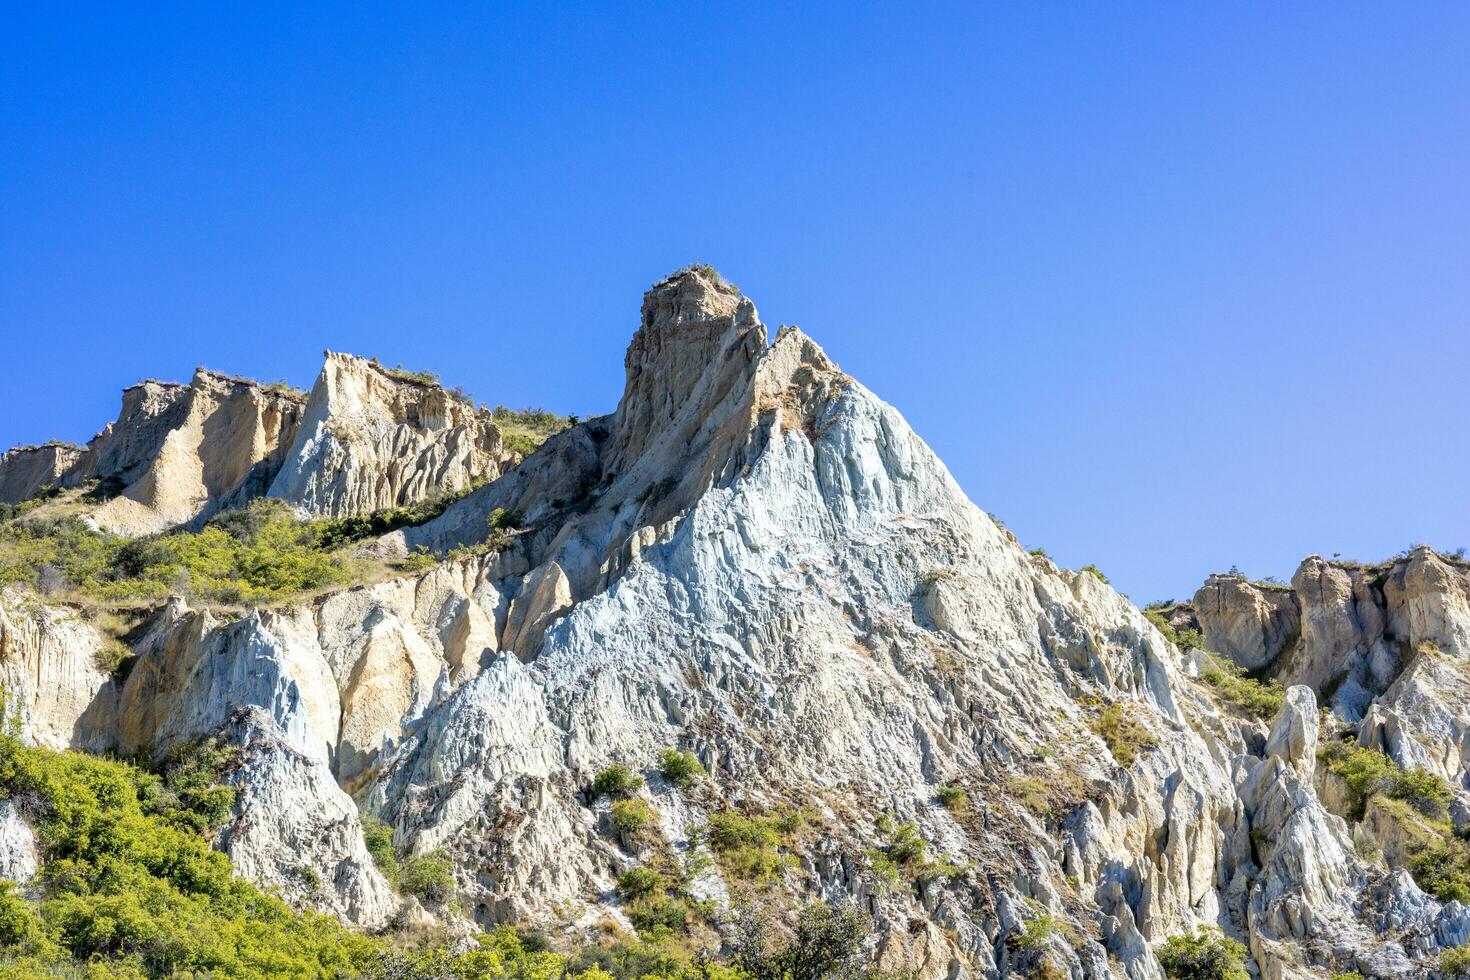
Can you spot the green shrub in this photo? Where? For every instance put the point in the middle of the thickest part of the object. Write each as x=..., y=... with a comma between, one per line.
x=421, y=559
x=19, y=923
x=827, y=943
x=639, y=882
x=617, y=780
x=113, y=657
x=1096, y=571
x=658, y=916
x=189, y=794
x=427, y=876
x=524, y=431
x=378, y=837
x=1263, y=699
x=750, y=847
x=1207, y=954
x=1185, y=639
x=680, y=768
x=631, y=815
x=1455, y=962
x=310, y=879
x=1370, y=773
x=1124, y=734
x=404, y=374
x=504, y=520
x=1442, y=868
x=885, y=870
x=954, y=798
x=906, y=844
x=1036, y=932
x=131, y=886
x=501, y=955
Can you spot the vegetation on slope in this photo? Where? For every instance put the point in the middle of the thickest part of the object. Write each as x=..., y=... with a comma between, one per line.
x=1185, y=639
x=130, y=888
x=1417, y=801
x=256, y=554
x=1259, y=698
x=525, y=430
x=1204, y=955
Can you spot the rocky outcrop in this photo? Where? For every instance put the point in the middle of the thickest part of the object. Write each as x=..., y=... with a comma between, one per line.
x=1248, y=622
x=295, y=830
x=367, y=438
x=224, y=437
x=374, y=438
x=49, y=675
x=176, y=453
x=1344, y=629
x=756, y=560
x=28, y=470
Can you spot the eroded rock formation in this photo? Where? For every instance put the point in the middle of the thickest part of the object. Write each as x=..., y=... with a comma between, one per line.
x=754, y=559
x=374, y=438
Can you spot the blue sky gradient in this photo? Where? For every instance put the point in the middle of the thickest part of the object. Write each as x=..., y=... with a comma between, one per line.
x=1169, y=287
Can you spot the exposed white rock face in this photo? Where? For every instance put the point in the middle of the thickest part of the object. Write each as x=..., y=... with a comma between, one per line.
x=756, y=560
x=27, y=470
x=295, y=830
x=372, y=439
x=756, y=580
x=254, y=684
x=19, y=855
x=179, y=453
x=192, y=673
x=1423, y=720
x=49, y=675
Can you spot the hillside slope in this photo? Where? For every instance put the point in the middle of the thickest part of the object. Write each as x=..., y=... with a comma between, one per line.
x=825, y=675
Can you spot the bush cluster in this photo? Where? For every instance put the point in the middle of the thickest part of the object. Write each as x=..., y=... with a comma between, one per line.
x=752, y=847
x=683, y=769
x=1370, y=773
x=1263, y=699
x=905, y=855
x=1125, y=735
x=1207, y=954
x=257, y=554
x=1418, y=801
x=524, y=431
x=131, y=885
x=1186, y=639
x=617, y=780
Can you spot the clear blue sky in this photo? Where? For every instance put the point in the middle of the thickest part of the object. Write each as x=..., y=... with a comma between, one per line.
x=1170, y=287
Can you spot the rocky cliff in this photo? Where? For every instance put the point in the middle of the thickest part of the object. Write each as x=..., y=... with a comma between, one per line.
x=753, y=560
x=367, y=438
x=373, y=438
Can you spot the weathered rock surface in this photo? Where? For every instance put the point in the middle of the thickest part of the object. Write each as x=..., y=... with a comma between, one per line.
x=756, y=560
x=373, y=438
x=19, y=855
x=1385, y=645
x=49, y=675
x=176, y=453
x=367, y=438
x=296, y=830
x=27, y=470
x=1246, y=621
